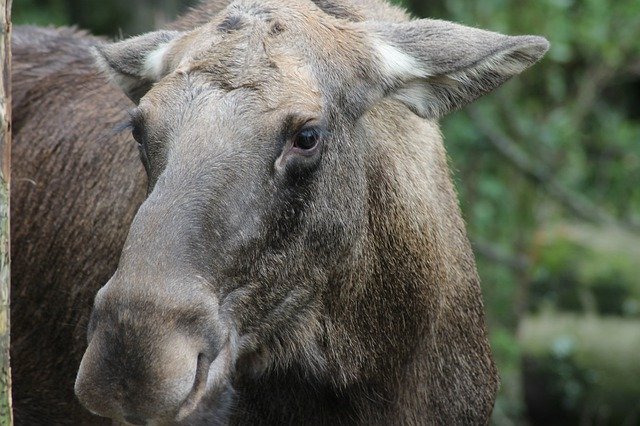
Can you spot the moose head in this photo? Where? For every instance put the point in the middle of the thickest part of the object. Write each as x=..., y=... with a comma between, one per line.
x=300, y=254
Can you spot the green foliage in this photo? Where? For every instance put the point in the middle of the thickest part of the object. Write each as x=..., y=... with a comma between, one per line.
x=587, y=269
x=118, y=18
x=582, y=369
x=38, y=12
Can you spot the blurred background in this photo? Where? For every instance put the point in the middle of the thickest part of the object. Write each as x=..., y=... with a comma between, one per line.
x=548, y=172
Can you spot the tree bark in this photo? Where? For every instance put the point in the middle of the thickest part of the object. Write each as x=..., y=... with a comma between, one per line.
x=6, y=417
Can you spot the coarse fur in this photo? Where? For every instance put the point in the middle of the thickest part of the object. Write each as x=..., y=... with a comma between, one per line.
x=336, y=288
x=76, y=186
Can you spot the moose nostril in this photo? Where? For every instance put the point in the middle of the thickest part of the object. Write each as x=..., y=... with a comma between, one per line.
x=134, y=420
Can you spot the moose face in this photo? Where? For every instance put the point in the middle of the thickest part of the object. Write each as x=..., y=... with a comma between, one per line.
x=257, y=136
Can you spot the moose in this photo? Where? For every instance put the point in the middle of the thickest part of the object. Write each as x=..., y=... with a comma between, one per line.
x=299, y=256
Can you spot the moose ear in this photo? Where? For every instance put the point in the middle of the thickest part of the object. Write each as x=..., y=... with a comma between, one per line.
x=435, y=66
x=138, y=62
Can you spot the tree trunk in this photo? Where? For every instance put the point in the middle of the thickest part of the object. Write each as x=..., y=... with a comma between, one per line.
x=6, y=417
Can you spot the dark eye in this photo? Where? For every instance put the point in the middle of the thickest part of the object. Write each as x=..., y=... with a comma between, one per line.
x=306, y=139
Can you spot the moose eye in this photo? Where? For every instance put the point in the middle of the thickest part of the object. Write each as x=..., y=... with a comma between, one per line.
x=302, y=149
x=306, y=139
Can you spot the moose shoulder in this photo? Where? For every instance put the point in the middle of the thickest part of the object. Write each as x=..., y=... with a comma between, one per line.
x=300, y=257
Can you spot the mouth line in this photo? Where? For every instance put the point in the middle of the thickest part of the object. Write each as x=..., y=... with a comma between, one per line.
x=199, y=388
x=211, y=377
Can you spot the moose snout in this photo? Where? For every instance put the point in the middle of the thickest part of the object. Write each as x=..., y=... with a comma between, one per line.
x=155, y=384
x=144, y=365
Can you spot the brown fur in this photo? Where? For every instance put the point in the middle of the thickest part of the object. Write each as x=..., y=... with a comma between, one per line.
x=386, y=327
x=76, y=186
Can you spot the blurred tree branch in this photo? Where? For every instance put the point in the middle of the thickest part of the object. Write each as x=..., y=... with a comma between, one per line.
x=589, y=87
x=575, y=203
x=517, y=262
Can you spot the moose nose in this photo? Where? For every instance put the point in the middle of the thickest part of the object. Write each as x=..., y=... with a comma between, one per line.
x=160, y=378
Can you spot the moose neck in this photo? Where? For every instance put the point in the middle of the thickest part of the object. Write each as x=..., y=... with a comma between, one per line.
x=290, y=396
x=418, y=318
x=404, y=328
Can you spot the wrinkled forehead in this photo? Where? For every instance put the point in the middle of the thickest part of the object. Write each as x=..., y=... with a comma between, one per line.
x=272, y=50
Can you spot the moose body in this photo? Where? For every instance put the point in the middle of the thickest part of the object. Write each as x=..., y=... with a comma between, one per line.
x=300, y=257
x=75, y=189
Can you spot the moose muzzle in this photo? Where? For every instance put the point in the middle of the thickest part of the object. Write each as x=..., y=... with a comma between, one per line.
x=148, y=361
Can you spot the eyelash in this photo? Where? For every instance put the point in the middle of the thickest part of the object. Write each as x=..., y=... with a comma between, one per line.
x=125, y=126
x=133, y=124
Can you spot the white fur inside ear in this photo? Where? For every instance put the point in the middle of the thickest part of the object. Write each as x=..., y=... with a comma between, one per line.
x=398, y=64
x=154, y=64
